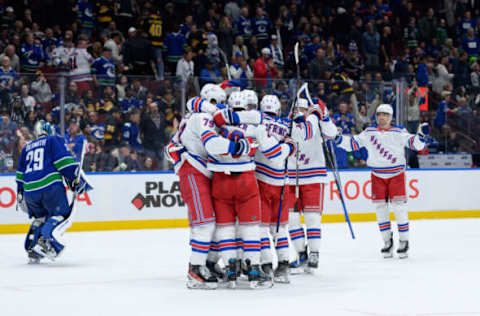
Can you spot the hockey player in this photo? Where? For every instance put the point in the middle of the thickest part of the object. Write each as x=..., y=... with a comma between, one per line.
x=43, y=164
x=235, y=195
x=270, y=173
x=197, y=139
x=310, y=163
x=385, y=144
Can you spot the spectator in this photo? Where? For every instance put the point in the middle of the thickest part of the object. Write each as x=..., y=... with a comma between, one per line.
x=264, y=71
x=28, y=101
x=130, y=102
x=461, y=71
x=443, y=77
x=153, y=131
x=232, y=10
x=410, y=34
x=240, y=70
x=41, y=91
x=277, y=52
x=104, y=70
x=139, y=90
x=113, y=128
x=185, y=66
x=74, y=139
x=422, y=73
x=8, y=76
x=209, y=74
x=371, y=44
x=121, y=87
x=115, y=43
x=413, y=109
x=470, y=43
x=85, y=17
x=226, y=36
x=467, y=23
x=31, y=55
x=239, y=47
x=261, y=27
x=244, y=25
x=346, y=122
x=137, y=54
x=71, y=95
x=80, y=72
x=175, y=43
x=318, y=65
x=427, y=26
x=131, y=131
x=386, y=45
x=14, y=60
x=153, y=25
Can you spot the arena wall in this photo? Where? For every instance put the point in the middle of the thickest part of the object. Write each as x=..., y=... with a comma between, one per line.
x=145, y=200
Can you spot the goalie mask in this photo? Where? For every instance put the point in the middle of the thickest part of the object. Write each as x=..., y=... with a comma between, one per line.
x=270, y=104
x=42, y=128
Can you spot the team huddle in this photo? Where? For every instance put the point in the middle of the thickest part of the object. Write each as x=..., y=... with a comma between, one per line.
x=246, y=174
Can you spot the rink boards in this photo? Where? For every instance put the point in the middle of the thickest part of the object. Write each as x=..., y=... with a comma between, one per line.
x=152, y=200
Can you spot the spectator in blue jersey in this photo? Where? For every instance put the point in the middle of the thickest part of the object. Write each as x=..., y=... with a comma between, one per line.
x=49, y=43
x=470, y=43
x=85, y=17
x=422, y=72
x=240, y=70
x=209, y=74
x=346, y=122
x=174, y=43
x=371, y=45
x=103, y=70
x=467, y=22
x=244, y=25
x=96, y=128
x=14, y=59
x=277, y=52
x=261, y=27
x=131, y=131
x=74, y=139
x=31, y=55
x=130, y=102
x=8, y=76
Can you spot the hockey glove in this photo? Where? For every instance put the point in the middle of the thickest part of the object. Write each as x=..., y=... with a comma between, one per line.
x=173, y=152
x=21, y=204
x=226, y=117
x=299, y=119
x=245, y=146
x=320, y=110
x=423, y=130
x=292, y=144
x=78, y=185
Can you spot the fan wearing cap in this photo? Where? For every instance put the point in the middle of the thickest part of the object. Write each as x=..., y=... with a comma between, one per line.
x=277, y=53
x=385, y=144
x=264, y=70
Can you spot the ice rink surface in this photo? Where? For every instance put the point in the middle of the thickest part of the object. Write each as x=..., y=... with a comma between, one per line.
x=143, y=272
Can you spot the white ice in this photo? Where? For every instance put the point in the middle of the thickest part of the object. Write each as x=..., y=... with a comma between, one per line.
x=143, y=273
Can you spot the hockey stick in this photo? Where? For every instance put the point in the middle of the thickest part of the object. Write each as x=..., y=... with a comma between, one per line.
x=297, y=63
x=329, y=153
x=225, y=60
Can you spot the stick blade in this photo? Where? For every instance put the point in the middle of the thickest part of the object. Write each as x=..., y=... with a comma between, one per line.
x=295, y=51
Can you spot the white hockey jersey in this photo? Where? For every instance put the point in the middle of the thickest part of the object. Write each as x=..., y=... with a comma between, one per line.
x=61, y=57
x=80, y=65
x=311, y=160
x=197, y=134
x=228, y=163
x=270, y=164
x=386, y=148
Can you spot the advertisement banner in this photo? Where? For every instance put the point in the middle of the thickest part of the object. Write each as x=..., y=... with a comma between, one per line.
x=156, y=196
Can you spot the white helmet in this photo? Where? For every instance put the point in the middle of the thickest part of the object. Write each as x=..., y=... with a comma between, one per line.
x=302, y=103
x=251, y=98
x=205, y=88
x=270, y=104
x=213, y=94
x=385, y=108
x=237, y=100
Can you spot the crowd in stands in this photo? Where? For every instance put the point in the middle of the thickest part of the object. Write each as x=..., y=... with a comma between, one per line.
x=127, y=63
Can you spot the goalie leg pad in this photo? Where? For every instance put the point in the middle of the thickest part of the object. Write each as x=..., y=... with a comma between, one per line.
x=401, y=216
x=200, y=239
x=47, y=232
x=383, y=219
x=314, y=232
x=34, y=233
x=297, y=234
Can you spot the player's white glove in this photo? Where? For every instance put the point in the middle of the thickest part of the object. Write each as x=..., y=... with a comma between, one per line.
x=293, y=144
x=226, y=117
x=245, y=146
x=320, y=110
x=423, y=130
x=21, y=204
x=173, y=152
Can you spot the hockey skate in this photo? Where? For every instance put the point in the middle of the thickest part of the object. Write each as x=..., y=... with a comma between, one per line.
x=402, y=250
x=387, y=250
x=231, y=273
x=267, y=271
x=215, y=270
x=281, y=273
x=298, y=266
x=312, y=262
x=255, y=279
x=44, y=248
x=199, y=277
x=33, y=258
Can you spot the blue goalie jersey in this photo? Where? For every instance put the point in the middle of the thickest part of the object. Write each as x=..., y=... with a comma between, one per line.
x=43, y=163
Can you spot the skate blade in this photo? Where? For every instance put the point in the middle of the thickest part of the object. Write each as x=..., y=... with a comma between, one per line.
x=388, y=255
x=281, y=279
x=297, y=270
x=195, y=285
x=38, y=250
x=257, y=285
x=403, y=256
x=33, y=261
